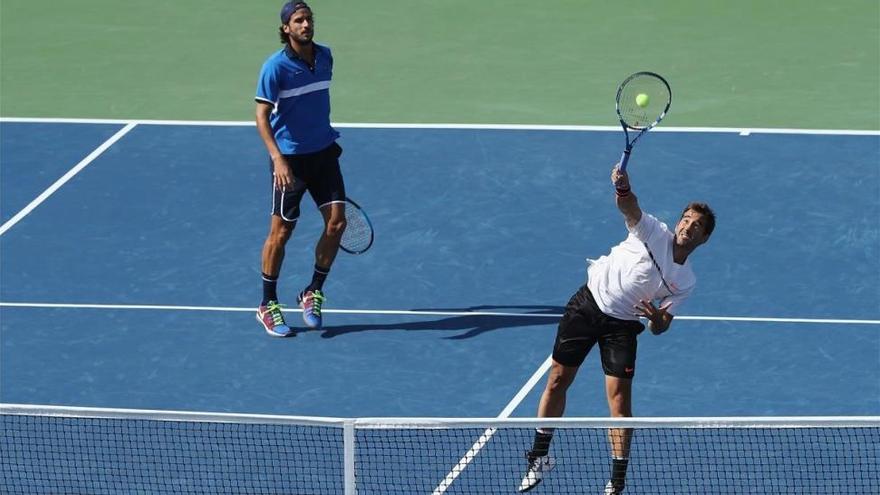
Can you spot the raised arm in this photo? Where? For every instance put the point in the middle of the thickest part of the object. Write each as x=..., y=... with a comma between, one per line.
x=627, y=202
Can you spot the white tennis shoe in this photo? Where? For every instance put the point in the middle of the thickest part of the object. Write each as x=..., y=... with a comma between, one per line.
x=613, y=489
x=538, y=467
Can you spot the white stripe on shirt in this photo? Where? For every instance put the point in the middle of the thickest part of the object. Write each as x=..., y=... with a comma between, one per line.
x=308, y=88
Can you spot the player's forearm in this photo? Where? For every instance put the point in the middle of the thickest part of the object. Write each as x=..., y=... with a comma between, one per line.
x=628, y=204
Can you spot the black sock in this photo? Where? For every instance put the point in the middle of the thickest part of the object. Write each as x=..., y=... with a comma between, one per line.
x=618, y=470
x=541, y=445
x=270, y=284
x=318, y=278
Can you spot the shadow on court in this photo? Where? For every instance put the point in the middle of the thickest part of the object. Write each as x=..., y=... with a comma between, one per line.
x=471, y=325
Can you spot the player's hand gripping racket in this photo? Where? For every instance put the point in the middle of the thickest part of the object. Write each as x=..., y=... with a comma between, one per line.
x=358, y=234
x=642, y=101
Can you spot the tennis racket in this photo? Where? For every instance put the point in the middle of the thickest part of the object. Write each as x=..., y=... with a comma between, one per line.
x=642, y=101
x=358, y=234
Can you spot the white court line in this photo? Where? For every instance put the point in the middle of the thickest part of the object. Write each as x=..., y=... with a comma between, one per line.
x=415, y=312
x=66, y=177
x=744, y=131
x=487, y=435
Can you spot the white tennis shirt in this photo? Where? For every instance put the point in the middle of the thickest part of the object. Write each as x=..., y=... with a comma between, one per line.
x=626, y=275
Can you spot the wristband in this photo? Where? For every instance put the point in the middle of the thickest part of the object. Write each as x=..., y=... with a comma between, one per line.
x=621, y=192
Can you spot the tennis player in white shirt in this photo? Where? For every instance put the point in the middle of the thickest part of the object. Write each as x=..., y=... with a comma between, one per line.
x=648, y=275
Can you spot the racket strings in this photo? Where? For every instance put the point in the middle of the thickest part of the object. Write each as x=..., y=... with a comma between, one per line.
x=659, y=98
x=358, y=234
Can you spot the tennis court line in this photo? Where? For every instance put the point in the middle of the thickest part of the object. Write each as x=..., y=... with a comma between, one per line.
x=490, y=432
x=417, y=312
x=66, y=177
x=743, y=131
x=524, y=391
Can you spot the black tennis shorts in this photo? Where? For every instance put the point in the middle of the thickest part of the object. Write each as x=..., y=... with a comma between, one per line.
x=583, y=325
x=318, y=173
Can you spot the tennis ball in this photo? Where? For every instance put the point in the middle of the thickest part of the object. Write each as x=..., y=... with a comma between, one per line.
x=642, y=100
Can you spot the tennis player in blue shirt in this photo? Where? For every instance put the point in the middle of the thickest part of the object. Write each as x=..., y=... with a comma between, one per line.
x=293, y=119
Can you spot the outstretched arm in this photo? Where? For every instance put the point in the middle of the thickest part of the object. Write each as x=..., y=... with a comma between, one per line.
x=627, y=202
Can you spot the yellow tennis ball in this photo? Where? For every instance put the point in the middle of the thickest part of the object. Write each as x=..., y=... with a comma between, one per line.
x=642, y=100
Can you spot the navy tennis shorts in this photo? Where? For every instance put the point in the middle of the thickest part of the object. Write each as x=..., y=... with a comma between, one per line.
x=583, y=325
x=318, y=173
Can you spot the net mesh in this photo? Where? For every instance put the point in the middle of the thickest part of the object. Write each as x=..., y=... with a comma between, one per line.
x=674, y=461
x=652, y=92
x=61, y=455
x=162, y=453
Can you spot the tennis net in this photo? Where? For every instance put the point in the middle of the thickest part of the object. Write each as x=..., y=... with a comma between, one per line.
x=51, y=449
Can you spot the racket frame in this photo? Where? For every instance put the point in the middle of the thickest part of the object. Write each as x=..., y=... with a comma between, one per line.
x=624, y=158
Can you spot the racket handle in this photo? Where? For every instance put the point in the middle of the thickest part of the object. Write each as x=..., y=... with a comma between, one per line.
x=624, y=158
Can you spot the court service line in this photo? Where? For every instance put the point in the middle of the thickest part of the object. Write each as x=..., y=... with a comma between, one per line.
x=416, y=312
x=743, y=131
x=66, y=177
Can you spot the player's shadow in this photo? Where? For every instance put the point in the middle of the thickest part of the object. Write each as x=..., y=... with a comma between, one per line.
x=471, y=325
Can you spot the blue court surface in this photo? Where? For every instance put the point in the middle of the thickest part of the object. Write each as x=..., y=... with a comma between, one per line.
x=132, y=281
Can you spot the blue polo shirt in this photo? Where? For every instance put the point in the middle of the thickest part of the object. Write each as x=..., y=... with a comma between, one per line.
x=301, y=96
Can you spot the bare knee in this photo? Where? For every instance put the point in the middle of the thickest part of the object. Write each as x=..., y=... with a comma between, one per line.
x=619, y=407
x=335, y=228
x=560, y=378
x=280, y=232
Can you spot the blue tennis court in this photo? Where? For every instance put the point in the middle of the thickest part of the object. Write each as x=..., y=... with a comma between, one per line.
x=133, y=283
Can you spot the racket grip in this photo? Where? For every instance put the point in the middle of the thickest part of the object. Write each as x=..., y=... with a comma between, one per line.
x=624, y=158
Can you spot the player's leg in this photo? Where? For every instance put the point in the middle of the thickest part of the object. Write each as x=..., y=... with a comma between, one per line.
x=619, y=394
x=327, y=188
x=559, y=379
x=551, y=405
x=328, y=244
x=285, y=212
x=575, y=337
x=618, y=351
x=280, y=232
x=269, y=313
